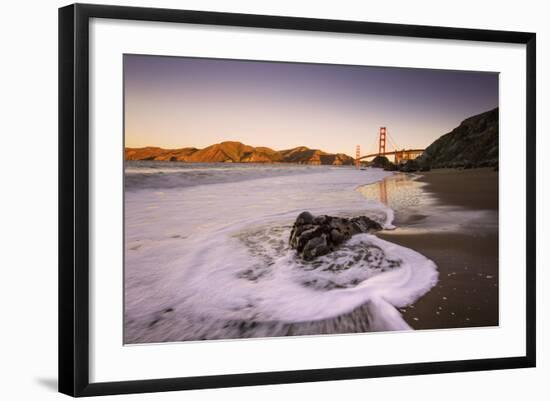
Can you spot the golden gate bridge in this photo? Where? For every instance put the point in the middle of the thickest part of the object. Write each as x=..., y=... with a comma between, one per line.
x=383, y=138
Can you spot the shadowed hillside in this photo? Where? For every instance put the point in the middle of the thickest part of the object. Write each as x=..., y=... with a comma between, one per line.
x=474, y=143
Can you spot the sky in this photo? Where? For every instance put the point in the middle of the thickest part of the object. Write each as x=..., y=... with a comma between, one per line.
x=176, y=102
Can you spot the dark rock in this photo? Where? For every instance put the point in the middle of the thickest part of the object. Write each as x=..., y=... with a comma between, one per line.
x=474, y=143
x=314, y=236
x=391, y=167
x=320, y=220
x=410, y=166
x=304, y=218
x=362, y=224
x=316, y=246
x=380, y=162
x=336, y=236
x=425, y=167
x=457, y=165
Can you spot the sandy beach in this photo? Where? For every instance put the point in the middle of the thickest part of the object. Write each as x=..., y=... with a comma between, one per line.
x=467, y=259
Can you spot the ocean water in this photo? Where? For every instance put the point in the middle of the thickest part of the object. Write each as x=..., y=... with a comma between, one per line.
x=207, y=255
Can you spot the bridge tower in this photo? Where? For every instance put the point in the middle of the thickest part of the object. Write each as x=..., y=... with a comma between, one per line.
x=382, y=141
x=357, y=156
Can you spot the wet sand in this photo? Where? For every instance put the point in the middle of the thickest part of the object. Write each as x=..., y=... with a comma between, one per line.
x=467, y=259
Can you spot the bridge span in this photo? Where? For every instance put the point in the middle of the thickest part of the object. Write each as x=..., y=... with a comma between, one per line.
x=399, y=155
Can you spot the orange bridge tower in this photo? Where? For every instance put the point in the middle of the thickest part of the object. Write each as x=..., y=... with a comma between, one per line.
x=382, y=141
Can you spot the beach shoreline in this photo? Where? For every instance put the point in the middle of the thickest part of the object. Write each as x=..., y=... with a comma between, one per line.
x=466, y=294
x=243, y=261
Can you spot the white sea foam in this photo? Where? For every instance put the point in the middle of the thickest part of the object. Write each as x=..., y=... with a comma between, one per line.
x=219, y=252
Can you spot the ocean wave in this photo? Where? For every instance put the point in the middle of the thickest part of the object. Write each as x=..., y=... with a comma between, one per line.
x=213, y=261
x=140, y=175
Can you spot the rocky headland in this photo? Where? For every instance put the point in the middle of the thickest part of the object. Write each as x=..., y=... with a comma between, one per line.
x=474, y=143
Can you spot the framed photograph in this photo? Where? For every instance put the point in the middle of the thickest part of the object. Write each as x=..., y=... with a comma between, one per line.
x=251, y=199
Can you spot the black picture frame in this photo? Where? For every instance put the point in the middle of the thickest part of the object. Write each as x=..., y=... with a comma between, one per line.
x=74, y=198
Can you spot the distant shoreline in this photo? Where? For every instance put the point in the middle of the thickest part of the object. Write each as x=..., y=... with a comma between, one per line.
x=237, y=152
x=230, y=163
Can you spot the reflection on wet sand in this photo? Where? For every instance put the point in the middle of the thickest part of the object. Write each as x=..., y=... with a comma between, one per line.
x=417, y=210
x=382, y=187
x=398, y=191
x=451, y=217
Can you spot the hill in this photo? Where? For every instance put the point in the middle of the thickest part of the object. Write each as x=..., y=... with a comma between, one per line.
x=474, y=143
x=237, y=152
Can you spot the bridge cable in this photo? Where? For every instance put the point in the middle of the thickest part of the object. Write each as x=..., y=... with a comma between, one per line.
x=374, y=149
x=393, y=142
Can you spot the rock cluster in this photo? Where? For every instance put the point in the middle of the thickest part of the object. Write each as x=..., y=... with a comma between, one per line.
x=380, y=162
x=410, y=166
x=314, y=236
